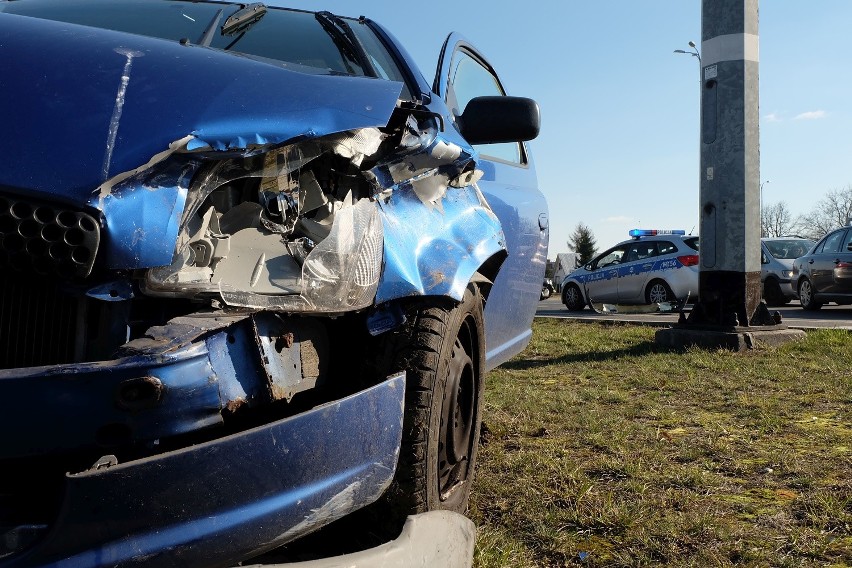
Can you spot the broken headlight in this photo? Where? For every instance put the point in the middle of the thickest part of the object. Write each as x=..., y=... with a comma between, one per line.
x=294, y=229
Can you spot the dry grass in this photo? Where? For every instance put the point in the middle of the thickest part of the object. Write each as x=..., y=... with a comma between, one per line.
x=601, y=449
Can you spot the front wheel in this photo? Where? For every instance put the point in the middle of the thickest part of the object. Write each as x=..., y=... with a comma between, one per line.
x=806, y=295
x=573, y=298
x=658, y=292
x=441, y=348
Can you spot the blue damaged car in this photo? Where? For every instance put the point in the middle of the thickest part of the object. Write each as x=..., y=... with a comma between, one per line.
x=254, y=268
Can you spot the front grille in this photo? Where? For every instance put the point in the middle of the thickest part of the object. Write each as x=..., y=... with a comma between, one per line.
x=38, y=324
x=46, y=239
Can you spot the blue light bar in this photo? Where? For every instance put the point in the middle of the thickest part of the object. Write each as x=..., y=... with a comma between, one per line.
x=635, y=233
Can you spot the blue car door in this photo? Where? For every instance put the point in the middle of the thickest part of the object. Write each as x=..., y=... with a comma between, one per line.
x=510, y=188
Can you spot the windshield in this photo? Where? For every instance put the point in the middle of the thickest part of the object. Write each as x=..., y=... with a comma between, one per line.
x=788, y=248
x=284, y=35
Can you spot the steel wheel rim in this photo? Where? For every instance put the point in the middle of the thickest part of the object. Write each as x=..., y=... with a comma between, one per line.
x=457, y=416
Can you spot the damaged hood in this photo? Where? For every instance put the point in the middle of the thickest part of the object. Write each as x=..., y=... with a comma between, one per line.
x=84, y=104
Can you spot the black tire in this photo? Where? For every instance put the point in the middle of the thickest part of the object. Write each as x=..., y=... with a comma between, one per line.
x=806, y=295
x=772, y=293
x=572, y=297
x=441, y=348
x=658, y=292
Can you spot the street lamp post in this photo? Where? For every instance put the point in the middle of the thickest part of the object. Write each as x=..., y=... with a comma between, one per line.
x=693, y=53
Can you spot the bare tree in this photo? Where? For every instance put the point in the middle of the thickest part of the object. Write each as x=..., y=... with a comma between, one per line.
x=776, y=220
x=832, y=211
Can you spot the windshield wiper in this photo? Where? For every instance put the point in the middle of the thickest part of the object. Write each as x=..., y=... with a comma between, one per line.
x=240, y=21
x=207, y=36
x=346, y=41
x=237, y=23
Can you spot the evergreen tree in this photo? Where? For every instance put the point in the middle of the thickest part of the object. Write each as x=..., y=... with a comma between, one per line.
x=582, y=242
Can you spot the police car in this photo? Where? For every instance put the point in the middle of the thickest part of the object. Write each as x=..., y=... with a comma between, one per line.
x=653, y=266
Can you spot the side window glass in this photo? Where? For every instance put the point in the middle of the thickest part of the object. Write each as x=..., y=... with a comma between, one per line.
x=665, y=247
x=847, y=243
x=832, y=242
x=609, y=258
x=469, y=79
x=641, y=251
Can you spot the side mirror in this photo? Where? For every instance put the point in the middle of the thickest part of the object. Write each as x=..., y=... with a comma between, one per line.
x=490, y=120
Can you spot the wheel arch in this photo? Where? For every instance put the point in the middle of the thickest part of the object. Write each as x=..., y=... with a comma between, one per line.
x=566, y=285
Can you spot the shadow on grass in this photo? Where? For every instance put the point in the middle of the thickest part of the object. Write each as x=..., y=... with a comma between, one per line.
x=638, y=350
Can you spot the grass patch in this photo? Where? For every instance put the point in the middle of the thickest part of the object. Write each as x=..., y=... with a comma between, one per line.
x=600, y=448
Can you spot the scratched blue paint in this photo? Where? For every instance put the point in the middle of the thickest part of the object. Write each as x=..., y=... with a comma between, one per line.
x=249, y=491
x=142, y=216
x=75, y=402
x=434, y=250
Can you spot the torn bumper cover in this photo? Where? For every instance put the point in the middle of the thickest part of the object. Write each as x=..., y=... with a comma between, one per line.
x=206, y=504
x=436, y=538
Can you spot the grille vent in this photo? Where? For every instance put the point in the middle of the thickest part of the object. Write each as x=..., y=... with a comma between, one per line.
x=46, y=239
x=38, y=324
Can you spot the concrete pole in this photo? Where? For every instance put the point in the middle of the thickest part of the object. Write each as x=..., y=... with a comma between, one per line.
x=729, y=312
x=729, y=285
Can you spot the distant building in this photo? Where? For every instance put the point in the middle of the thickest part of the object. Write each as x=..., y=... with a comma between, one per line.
x=566, y=263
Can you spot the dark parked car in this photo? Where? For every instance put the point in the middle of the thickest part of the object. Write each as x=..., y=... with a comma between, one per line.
x=254, y=268
x=824, y=274
x=546, y=289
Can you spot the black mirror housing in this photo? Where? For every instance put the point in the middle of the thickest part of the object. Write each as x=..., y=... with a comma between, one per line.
x=491, y=120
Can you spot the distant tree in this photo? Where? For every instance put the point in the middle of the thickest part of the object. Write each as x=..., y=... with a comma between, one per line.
x=776, y=220
x=832, y=211
x=582, y=241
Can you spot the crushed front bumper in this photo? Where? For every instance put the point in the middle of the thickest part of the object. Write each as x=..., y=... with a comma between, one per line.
x=218, y=502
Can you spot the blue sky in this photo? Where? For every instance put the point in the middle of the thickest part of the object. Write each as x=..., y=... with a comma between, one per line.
x=619, y=142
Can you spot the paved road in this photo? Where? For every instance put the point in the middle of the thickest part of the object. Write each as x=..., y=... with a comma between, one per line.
x=793, y=315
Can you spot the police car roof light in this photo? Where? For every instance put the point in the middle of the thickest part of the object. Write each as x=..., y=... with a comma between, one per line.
x=636, y=233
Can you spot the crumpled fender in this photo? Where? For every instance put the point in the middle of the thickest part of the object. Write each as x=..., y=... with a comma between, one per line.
x=133, y=96
x=435, y=251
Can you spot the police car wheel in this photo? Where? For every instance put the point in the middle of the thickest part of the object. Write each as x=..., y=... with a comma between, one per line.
x=573, y=298
x=659, y=292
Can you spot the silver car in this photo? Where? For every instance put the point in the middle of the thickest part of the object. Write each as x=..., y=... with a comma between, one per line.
x=776, y=256
x=652, y=267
